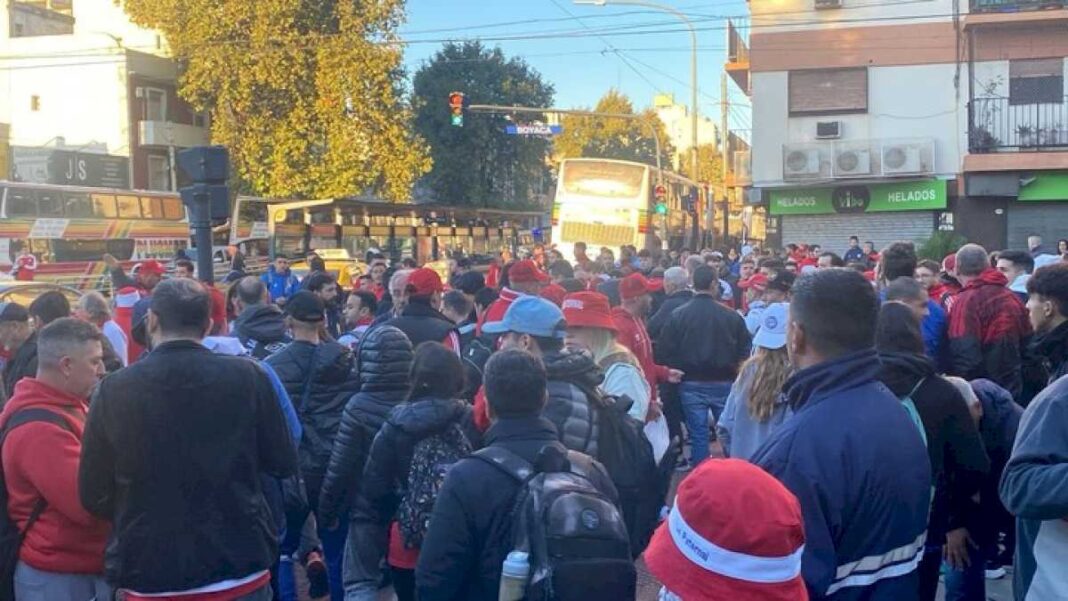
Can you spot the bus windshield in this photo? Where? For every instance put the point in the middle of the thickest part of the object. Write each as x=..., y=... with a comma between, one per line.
x=603, y=178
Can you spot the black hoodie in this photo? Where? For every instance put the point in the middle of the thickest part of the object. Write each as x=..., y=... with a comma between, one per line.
x=1052, y=347
x=261, y=329
x=955, y=449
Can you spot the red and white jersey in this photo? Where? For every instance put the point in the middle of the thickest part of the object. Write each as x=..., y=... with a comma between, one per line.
x=25, y=266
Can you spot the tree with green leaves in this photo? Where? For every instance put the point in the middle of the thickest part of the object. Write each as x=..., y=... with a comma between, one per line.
x=307, y=95
x=709, y=164
x=614, y=138
x=478, y=163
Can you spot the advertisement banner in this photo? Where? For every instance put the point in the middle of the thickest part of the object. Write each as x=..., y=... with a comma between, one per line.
x=860, y=198
x=1045, y=186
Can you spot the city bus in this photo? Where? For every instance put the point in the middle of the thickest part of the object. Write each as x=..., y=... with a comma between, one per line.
x=70, y=228
x=611, y=203
x=398, y=230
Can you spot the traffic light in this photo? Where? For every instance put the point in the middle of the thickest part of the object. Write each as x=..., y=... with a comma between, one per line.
x=660, y=192
x=208, y=168
x=456, y=108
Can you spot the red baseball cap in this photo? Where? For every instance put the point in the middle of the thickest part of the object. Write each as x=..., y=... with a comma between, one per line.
x=588, y=310
x=554, y=293
x=735, y=532
x=424, y=282
x=635, y=285
x=526, y=271
x=950, y=262
x=758, y=281
x=150, y=266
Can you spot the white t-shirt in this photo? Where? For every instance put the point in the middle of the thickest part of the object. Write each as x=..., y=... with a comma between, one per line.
x=117, y=338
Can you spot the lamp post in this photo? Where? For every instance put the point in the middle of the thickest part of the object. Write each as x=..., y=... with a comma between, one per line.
x=693, y=65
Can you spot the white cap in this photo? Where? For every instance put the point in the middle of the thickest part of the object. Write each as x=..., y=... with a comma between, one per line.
x=771, y=332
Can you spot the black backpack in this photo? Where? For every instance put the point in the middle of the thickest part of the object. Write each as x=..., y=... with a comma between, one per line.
x=431, y=460
x=10, y=536
x=628, y=457
x=575, y=536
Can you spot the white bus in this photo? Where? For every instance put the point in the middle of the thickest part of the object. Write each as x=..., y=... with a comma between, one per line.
x=611, y=203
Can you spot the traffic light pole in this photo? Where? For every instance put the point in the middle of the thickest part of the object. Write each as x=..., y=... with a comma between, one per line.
x=501, y=109
x=200, y=223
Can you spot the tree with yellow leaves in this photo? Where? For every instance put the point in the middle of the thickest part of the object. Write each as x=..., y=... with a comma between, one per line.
x=306, y=94
x=611, y=137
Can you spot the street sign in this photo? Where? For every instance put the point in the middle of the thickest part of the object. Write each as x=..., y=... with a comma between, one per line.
x=535, y=129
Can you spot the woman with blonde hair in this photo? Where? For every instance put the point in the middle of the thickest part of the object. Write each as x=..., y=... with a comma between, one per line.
x=590, y=328
x=755, y=407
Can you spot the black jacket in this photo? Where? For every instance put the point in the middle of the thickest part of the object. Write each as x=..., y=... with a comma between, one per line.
x=422, y=323
x=261, y=329
x=173, y=449
x=385, y=358
x=22, y=365
x=385, y=477
x=570, y=375
x=998, y=427
x=333, y=380
x=958, y=461
x=705, y=340
x=659, y=319
x=471, y=528
x=1052, y=349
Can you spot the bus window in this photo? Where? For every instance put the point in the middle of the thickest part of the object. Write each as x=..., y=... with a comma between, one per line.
x=173, y=209
x=250, y=211
x=321, y=216
x=21, y=203
x=49, y=204
x=103, y=205
x=129, y=207
x=152, y=207
x=81, y=250
x=121, y=249
x=77, y=205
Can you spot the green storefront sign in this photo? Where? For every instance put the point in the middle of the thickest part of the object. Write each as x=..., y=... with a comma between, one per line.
x=860, y=198
x=1044, y=186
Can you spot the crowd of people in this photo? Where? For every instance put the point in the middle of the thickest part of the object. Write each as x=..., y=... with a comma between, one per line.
x=851, y=426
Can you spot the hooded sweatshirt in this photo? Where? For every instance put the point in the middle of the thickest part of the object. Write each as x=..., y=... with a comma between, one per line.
x=262, y=329
x=988, y=332
x=41, y=460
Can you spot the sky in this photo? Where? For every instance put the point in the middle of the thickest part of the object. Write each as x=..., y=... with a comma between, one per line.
x=583, y=67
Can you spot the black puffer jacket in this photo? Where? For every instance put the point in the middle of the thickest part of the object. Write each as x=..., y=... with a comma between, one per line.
x=262, y=329
x=958, y=461
x=385, y=477
x=22, y=365
x=333, y=381
x=570, y=374
x=385, y=358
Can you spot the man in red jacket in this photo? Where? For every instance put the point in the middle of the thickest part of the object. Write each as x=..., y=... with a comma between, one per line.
x=62, y=556
x=629, y=319
x=524, y=277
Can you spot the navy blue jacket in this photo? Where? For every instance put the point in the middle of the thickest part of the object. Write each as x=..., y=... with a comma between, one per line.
x=857, y=463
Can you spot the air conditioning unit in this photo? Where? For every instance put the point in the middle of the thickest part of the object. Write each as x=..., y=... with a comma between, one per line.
x=902, y=159
x=802, y=162
x=849, y=163
x=825, y=4
x=828, y=130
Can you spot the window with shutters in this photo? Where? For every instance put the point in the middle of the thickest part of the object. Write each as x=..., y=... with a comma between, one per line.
x=828, y=91
x=1038, y=81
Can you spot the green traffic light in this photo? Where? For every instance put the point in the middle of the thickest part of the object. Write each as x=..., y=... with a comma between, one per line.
x=661, y=208
x=458, y=120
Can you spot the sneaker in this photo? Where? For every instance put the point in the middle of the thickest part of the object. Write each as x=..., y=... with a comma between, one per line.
x=318, y=583
x=994, y=571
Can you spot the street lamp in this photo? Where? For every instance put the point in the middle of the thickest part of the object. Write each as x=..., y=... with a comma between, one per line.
x=693, y=65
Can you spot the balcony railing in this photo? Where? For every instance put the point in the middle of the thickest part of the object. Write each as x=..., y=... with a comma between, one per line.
x=1011, y=6
x=998, y=125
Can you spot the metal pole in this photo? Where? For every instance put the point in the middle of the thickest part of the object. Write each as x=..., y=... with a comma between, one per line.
x=725, y=152
x=201, y=224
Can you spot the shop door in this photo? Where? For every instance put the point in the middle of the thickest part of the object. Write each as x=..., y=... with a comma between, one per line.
x=832, y=232
x=1047, y=219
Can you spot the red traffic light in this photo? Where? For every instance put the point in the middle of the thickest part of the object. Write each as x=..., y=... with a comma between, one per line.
x=660, y=191
x=456, y=100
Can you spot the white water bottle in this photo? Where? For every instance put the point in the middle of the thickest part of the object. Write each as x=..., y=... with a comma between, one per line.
x=514, y=573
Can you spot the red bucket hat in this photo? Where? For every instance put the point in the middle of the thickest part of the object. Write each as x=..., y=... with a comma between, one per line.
x=554, y=293
x=635, y=285
x=424, y=282
x=527, y=271
x=588, y=310
x=734, y=533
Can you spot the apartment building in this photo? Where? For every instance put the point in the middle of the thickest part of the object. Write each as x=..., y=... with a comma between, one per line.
x=89, y=98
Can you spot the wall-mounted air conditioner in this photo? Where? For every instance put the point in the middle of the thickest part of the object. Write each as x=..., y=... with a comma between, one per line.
x=828, y=130
x=902, y=159
x=802, y=162
x=852, y=162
